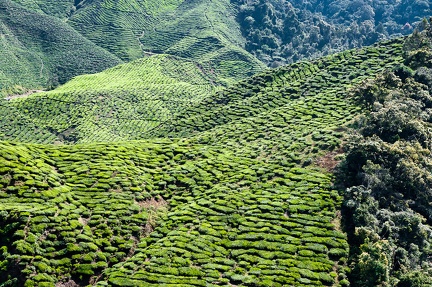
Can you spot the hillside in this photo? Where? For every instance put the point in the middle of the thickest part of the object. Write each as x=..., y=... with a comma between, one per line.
x=121, y=103
x=57, y=8
x=235, y=188
x=69, y=213
x=39, y=51
x=131, y=101
x=204, y=31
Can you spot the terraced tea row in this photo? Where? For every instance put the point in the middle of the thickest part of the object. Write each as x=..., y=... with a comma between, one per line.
x=327, y=78
x=68, y=210
x=117, y=25
x=243, y=232
x=204, y=31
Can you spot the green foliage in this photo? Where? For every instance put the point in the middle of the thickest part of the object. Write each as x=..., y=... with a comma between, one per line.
x=414, y=279
x=387, y=170
x=40, y=51
x=280, y=31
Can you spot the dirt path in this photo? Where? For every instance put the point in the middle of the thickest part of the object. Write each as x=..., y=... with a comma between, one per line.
x=23, y=95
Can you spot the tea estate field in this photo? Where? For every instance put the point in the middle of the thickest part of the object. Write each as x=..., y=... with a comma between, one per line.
x=232, y=190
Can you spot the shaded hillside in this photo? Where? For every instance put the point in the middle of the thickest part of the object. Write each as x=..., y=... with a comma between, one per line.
x=118, y=25
x=121, y=103
x=242, y=196
x=285, y=31
x=57, y=8
x=39, y=51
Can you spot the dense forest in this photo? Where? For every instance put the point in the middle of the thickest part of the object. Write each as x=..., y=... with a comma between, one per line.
x=281, y=31
x=388, y=174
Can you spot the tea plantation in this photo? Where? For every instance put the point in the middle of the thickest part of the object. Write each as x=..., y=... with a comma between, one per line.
x=229, y=187
x=46, y=43
x=137, y=100
x=69, y=213
x=169, y=171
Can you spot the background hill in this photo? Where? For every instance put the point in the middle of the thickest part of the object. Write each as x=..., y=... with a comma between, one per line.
x=40, y=51
x=205, y=31
x=218, y=32
x=201, y=31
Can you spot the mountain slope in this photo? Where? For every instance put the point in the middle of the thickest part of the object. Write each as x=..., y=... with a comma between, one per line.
x=105, y=105
x=275, y=31
x=57, y=8
x=204, y=31
x=40, y=51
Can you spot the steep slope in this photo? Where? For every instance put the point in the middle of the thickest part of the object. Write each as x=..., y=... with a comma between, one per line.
x=57, y=8
x=243, y=196
x=118, y=25
x=121, y=103
x=299, y=84
x=204, y=31
x=39, y=51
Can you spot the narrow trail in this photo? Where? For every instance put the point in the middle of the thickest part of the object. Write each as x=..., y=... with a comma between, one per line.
x=42, y=66
x=139, y=40
x=23, y=95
